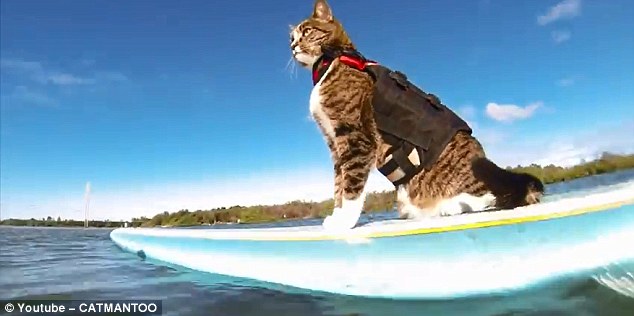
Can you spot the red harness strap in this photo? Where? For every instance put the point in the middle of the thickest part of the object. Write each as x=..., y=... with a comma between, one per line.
x=352, y=61
x=320, y=68
x=355, y=62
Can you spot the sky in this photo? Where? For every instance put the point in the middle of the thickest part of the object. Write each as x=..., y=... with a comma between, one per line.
x=167, y=105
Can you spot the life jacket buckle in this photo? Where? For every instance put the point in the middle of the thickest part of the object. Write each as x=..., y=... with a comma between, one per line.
x=400, y=78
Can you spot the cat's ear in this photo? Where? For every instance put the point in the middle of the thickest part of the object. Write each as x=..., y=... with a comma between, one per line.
x=322, y=11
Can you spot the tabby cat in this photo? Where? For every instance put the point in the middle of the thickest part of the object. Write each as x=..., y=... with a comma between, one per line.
x=461, y=180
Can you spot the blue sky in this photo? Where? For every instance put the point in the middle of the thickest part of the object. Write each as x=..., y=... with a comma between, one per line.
x=163, y=105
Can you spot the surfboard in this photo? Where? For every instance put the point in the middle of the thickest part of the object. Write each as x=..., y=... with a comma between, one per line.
x=439, y=257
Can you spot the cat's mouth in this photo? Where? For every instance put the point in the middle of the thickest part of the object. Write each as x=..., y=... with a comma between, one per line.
x=297, y=56
x=303, y=59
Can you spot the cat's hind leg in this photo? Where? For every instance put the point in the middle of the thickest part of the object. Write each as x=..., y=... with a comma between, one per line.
x=432, y=207
x=464, y=203
x=406, y=209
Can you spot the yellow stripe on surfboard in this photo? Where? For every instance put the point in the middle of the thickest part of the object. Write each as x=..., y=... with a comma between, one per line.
x=430, y=230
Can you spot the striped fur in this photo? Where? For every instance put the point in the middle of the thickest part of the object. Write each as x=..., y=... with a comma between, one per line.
x=341, y=105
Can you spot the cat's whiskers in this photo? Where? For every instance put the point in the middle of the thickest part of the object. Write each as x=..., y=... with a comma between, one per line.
x=291, y=67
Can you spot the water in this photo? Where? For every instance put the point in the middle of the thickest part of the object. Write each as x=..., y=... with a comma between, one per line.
x=84, y=264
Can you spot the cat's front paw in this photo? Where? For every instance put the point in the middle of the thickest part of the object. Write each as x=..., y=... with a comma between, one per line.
x=341, y=219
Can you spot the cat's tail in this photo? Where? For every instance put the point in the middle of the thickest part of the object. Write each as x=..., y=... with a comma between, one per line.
x=511, y=189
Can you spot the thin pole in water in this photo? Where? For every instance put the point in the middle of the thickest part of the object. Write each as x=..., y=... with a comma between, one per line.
x=87, y=204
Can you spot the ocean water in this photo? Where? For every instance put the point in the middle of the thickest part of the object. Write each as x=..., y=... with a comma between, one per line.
x=77, y=263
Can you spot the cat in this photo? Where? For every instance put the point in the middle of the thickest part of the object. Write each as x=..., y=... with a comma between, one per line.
x=461, y=180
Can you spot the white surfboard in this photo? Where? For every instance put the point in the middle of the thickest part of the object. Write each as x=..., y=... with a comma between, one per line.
x=437, y=257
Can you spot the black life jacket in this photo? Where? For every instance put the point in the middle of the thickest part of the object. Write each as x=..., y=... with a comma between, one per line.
x=415, y=124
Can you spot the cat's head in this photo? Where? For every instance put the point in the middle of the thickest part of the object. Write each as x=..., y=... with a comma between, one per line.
x=318, y=30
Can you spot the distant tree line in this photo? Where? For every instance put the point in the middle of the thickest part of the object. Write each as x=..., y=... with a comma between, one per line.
x=607, y=162
x=375, y=202
x=50, y=222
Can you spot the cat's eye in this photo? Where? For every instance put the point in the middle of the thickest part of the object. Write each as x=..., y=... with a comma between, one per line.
x=292, y=38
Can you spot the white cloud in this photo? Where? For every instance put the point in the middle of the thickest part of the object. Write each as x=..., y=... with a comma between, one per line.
x=566, y=9
x=511, y=112
x=20, y=65
x=560, y=36
x=566, y=154
x=24, y=95
x=566, y=82
x=64, y=79
x=43, y=75
x=111, y=76
x=564, y=149
x=556, y=150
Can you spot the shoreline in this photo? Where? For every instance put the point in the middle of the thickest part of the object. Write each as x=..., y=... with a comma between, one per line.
x=376, y=202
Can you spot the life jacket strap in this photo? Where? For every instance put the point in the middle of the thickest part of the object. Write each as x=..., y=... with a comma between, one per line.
x=348, y=57
x=401, y=164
